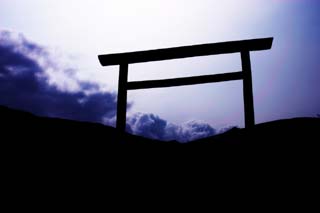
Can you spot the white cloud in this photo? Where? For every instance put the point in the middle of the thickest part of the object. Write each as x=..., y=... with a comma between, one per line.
x=152, y=126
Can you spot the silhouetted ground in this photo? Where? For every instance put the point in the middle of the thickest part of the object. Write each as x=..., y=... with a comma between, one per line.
x=52, y=155
x=31, y=128
x=275, y=134
x=51, y=136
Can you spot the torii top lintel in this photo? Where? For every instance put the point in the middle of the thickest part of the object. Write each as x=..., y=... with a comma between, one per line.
x=186, y=51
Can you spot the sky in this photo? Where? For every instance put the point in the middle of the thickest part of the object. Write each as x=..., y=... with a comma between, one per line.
x=71, y=33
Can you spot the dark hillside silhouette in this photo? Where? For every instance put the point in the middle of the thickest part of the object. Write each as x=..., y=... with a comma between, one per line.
x=23, y=128
x=65, y=145
x=48, y=132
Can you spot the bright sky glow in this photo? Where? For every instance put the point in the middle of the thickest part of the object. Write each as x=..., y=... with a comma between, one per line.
x=285, y=85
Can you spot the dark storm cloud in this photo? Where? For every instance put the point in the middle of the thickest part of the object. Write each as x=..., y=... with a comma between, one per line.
x=25, y=84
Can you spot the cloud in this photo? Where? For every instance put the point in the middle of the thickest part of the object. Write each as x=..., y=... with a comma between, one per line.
x=148, y=125
x=152, y=126
x=26, y=71
x=31, y=79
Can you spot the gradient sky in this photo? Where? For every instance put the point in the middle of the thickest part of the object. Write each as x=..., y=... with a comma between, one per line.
x=285, y=79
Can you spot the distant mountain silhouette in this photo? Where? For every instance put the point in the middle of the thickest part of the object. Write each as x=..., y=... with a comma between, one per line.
x=17, y=124
x=275, y=134
x=37, y=144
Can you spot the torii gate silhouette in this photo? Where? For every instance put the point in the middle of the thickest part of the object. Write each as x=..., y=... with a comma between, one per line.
x=244, y=47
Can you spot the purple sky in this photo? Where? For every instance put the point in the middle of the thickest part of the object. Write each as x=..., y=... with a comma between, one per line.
x=71, y=34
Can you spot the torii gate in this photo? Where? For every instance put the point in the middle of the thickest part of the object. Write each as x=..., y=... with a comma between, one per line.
x=243, y=47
